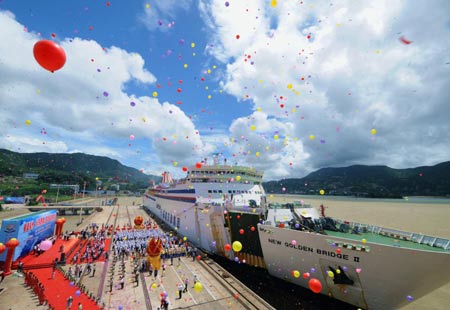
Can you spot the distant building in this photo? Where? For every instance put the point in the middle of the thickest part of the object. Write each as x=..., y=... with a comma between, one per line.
x=114, y=187
x=75, y=187
x=32, y=176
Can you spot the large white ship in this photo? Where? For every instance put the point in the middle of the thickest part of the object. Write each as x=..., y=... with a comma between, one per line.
x=367, y=266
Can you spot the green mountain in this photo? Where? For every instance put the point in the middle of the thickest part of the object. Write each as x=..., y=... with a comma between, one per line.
x=369, y=181
x=75, y=168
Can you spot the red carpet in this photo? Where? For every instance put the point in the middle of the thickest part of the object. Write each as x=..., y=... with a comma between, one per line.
x=47, y=257
x=59, y=289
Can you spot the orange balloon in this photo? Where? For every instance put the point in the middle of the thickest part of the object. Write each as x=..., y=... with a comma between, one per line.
x=49, y=55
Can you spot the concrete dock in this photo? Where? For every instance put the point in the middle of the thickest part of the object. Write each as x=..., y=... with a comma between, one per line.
x=220, y=290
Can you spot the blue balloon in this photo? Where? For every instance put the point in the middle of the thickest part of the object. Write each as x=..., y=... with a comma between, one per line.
x=77, y=293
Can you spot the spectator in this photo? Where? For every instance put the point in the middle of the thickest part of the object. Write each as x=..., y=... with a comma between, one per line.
x=180, y=290
x=69, y=302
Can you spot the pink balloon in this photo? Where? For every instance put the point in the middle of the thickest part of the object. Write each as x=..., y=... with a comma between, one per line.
x=131, y=137
x=45, y=245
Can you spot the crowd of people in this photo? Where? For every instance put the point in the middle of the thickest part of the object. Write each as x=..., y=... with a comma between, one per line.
x=94, y=248
x=126, y=242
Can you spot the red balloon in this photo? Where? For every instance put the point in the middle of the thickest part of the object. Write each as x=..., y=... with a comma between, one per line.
x=252, y=228
x=198, y=165
x=241, y=231
x=315, y=285
x=49, y=55
x=227, y=247
x=184, y=169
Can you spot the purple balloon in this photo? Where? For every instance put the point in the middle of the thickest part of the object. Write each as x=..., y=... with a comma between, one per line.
x=409, y=298
x=132, y=103
x=77, y=293
x=105, y=93
x=227, y=4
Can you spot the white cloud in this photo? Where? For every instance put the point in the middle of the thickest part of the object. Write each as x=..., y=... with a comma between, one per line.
x=357, y=76
x=161, y=14
x=83, y=107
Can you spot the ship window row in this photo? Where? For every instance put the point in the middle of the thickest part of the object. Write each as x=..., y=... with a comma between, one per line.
x=170, y=218
x=206, y=180
x=241, y=173
x=214, y=191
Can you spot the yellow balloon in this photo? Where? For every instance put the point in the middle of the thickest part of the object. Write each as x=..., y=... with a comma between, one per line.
x=28, y=122
x=322, y=192
x=184, y=238
x=155, y=94
x=154, y=285
x=257, y=154
x=185, y=66
x=198, y=287
x=289, y=86
x=238, y=178
x=175, y=163
x=331, y=274
x=296, y=273
x=252, y=127
x=373, y=131
x=273, y=3
x=192, y=44
x=237, y=246
x=276, y=137
x=363, y=240
x=311, y=137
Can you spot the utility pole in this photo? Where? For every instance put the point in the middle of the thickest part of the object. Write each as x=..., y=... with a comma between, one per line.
x=57, y=194
x=84, y=191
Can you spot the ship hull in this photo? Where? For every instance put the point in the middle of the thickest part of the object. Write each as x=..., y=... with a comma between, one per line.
x=384, y=277
x=211, y=227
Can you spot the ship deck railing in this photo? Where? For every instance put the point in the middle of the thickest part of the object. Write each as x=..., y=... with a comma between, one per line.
x=402, y=238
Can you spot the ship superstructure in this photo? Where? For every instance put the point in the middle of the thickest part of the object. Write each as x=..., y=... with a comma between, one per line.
x=211, y=206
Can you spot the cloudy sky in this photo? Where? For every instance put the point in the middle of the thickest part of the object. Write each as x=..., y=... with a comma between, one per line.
x=287, y=87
